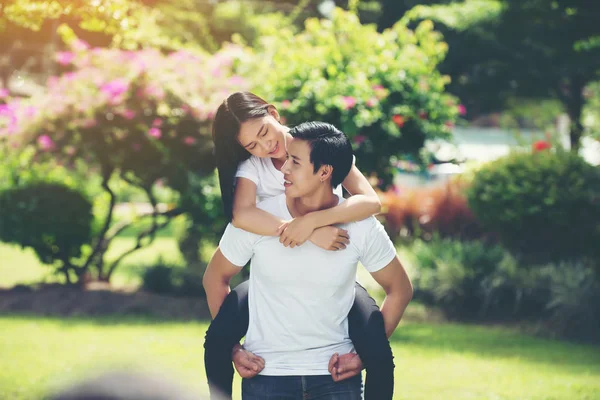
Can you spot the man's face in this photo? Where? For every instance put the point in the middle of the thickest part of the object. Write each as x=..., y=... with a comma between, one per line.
x=298, y=171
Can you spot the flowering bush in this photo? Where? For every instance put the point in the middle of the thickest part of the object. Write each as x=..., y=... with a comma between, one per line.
x=143, y=116
x=382, y=89
x=139, y=111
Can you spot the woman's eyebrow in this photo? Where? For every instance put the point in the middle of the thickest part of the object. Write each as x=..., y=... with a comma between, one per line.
x=257, y=135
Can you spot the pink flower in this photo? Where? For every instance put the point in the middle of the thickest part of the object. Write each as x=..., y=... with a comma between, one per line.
x=285, y=104
x=7, y=113
x=30, y=111
x=114, y=89
x=45, y=142
x=349, y=102
x=65, y=57
x=52, y=82
x=128, y=114
x=372, y=102
x=462, y=110
x=157, y=122
x=80, y=45
x=449, y=124
x=155, y=133
x=380, y=91
x=359, y=139
x=4, y=93
x=89, y=123
x=236, y=80
x=189, y=140
x=151, y=91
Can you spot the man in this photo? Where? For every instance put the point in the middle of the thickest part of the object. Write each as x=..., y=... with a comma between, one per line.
x=299, y=298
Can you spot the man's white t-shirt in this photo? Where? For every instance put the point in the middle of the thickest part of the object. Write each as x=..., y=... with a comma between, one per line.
x=299, y=298
x=267, y=178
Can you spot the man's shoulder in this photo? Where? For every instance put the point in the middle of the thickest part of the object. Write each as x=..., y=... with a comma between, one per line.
x=364, y=225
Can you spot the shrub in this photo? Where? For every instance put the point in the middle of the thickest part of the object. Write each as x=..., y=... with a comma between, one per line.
x=54, y=220
x=173, y=280
x=382, y=89
x=544, y=206
x=431, y=210
x=462, y=278
x=574, y=302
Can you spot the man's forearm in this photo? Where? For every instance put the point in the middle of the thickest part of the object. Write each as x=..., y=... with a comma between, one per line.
x=393, y=308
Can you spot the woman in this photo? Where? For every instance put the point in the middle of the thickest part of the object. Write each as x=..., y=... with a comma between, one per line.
x=250, y=148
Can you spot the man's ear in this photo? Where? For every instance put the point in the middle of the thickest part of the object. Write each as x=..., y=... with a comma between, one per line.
x=325, y=172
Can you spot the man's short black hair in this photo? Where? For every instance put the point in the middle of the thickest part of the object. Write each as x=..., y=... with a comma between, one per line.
x=328, y=146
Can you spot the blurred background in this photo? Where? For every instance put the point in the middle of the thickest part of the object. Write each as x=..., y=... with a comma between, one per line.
x=478, y=122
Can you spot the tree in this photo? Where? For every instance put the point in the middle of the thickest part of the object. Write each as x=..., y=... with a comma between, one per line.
x=382, y=89
x=527, y=48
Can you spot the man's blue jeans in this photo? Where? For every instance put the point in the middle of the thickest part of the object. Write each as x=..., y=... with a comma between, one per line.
x=320, y=387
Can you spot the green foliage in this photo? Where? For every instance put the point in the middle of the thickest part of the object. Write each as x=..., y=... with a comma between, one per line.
x=382, y=89
x=54, y=220
x=172, y=280
x=574, y=300
x=106, y=15
x=458, y=15
x=544, y=206
x=462, y=278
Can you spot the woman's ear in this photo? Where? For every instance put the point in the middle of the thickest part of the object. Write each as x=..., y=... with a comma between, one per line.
x=273, y=112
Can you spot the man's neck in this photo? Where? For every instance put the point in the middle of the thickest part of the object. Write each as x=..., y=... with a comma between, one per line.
x=322, y=199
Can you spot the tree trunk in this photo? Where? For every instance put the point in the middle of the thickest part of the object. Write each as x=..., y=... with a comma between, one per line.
x=574, y=103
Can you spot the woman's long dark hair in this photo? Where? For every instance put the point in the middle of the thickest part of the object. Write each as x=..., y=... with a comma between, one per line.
x=235, y=110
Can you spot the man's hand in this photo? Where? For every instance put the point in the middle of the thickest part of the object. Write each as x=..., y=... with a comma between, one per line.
x=344, y=366
x=330, y=238
x=246, y=364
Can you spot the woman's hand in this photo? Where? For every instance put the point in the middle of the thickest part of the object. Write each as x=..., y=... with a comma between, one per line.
x=297, y=231
x=330, y=238
x=344, y=366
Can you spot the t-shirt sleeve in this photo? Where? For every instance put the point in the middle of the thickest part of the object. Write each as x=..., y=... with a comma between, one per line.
x=248, y=169
x=377, y=250
x=237, y=245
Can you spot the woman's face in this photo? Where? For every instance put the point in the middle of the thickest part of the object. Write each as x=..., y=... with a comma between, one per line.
x=264, y=137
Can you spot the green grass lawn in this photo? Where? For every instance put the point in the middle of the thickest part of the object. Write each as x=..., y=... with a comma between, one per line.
x=434, y=361
x=446, y=361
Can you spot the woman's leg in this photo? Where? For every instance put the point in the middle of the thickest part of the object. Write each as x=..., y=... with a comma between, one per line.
x=227, y=329
x=367, y=332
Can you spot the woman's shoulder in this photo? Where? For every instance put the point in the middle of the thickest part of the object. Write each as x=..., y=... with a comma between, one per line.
x=251, y=163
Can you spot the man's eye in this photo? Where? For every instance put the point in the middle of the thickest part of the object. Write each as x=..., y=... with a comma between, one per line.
x=296, y=162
